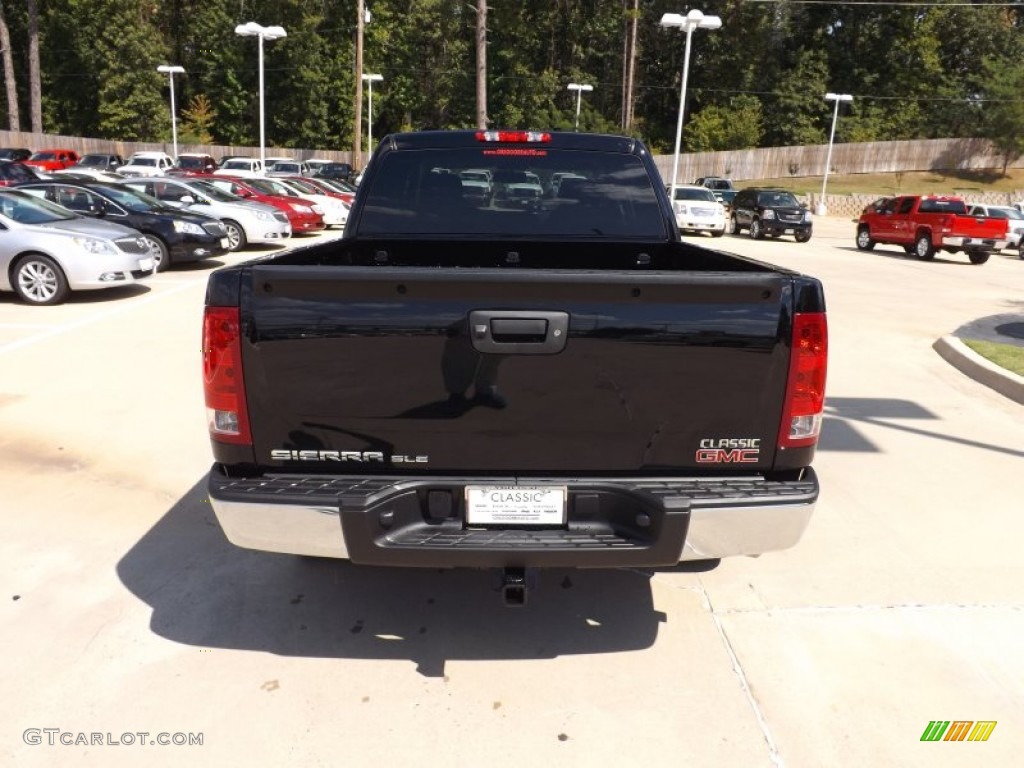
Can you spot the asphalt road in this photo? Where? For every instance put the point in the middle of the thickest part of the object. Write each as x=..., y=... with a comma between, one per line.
x=126, y=612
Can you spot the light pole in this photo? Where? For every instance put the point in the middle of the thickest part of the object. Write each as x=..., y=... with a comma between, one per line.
x=170, y=70
x=693, y=20
x=370, y=80
x=579, y=88
x=822, y=209
x=252, y=29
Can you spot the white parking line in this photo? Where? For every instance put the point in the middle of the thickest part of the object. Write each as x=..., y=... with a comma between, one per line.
x=120, y=309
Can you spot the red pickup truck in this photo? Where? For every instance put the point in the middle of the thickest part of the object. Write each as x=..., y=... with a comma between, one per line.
x=925, y=224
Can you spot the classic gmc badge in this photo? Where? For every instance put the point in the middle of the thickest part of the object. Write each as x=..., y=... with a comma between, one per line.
x=729, y=450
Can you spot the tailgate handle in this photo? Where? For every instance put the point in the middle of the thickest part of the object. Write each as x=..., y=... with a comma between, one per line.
x=519, y=332
x=527, y=329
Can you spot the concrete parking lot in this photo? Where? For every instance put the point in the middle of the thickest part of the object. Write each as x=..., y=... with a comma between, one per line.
x=126, y=612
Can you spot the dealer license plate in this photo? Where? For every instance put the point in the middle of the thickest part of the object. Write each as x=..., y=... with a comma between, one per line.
x=515, y=505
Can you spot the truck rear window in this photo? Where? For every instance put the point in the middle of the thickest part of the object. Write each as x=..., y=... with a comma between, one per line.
x=520, y=193
x=931, y=205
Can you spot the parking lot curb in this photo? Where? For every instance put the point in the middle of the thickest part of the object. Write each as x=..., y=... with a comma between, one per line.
x=969, y=362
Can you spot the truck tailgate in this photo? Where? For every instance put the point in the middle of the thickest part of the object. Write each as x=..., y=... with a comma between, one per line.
x=352, y=369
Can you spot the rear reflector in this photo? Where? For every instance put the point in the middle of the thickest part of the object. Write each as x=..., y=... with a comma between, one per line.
x=514, y=137
x=223, y=383
x=805, y=388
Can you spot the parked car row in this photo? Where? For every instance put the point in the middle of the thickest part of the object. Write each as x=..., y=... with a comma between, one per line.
x=761, y=211
x=174, y=236
x=251, y=167
x=156, y=163
x=244, y=221
x=66, y=231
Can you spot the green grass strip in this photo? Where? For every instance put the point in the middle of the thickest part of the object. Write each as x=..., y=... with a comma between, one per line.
x=1005, y=356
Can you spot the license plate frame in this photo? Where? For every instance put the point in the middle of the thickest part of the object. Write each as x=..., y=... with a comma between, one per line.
x=529, y=506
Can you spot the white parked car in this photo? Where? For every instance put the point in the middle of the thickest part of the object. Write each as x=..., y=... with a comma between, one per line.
x=246, y=221
x=698, y=210
x=46, y=251
x=242, y=167
x=1014, y=223
x=333, y=209
x=147, y=164
x=290, y=168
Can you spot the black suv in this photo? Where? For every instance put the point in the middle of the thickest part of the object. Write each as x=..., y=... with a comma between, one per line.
x=340, y=171
x=769, y=211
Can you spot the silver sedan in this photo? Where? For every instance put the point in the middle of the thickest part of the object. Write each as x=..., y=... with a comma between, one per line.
x=46, y=251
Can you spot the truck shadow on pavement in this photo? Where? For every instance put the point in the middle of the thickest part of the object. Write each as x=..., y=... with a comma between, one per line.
x=206, y=592
x=839, y=433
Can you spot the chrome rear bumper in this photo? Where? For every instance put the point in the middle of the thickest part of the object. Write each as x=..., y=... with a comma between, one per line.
x=360, y=519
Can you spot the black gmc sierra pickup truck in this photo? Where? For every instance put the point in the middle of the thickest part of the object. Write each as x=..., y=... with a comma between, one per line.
x=541, y=375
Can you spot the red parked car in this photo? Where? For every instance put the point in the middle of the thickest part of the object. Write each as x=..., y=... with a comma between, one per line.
x=53, y=159
x=325, y=186
x=301, y=213
x=192, y=164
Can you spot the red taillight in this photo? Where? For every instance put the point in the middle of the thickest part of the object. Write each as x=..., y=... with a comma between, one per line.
x=805, y=389
x=514, y=137
x=223, y=382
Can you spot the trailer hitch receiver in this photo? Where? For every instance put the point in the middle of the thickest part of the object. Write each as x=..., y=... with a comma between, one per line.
x=514, y=587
